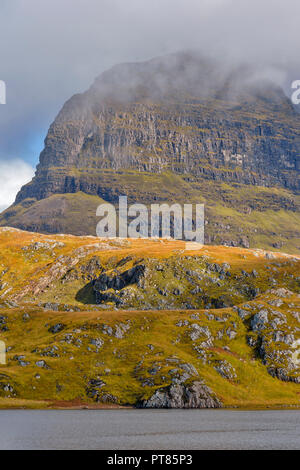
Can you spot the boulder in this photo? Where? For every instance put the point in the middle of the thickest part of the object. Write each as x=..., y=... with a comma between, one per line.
x=196, y=395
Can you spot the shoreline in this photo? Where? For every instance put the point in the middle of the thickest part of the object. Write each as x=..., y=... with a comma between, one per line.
x=62, y=405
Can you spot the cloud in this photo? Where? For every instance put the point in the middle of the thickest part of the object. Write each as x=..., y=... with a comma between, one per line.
x=52, y=49
x=13, y=175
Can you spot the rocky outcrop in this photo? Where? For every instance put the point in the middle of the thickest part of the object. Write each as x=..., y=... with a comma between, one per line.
x=276, y=341
x=107, y=288
x=196, y=395
x=114, y=128
x=179, y=282
x=179, y=115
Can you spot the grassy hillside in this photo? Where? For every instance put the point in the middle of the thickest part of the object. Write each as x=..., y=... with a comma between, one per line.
x=239, y=336
x=236, y=214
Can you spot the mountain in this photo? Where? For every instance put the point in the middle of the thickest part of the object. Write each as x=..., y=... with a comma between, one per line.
x=87, y=320
x=179, y=128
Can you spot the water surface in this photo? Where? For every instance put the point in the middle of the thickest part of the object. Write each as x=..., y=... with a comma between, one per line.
x=149, y=429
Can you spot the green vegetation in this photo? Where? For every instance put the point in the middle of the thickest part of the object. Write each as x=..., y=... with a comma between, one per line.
x=236, y=214
x=64, y=351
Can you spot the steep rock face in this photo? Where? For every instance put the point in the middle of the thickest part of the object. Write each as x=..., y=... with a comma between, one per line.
x=192, y=140
x=197, y=395
x=179, y=114
x=228, y=132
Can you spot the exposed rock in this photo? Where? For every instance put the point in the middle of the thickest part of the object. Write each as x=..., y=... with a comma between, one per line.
x=231, y=333
x=108, y=398
x=98, y=342
x=36, y=246
x=275, y=302
x=259, y=320
x=121, y=329
x=42, y=364
x=21, y=361
x=6, y=386
x=107, y=287
x=281, y=292
x=94, y=388
x=182, y=323
x=199, y=331
x=226, y=370
x=284, y=338
x=282, y=374
x=196, y=395
x=275, y=343
x=51, y=306
x=56, y=328
x=242, y=313
x=56, y=271
x=130, y=121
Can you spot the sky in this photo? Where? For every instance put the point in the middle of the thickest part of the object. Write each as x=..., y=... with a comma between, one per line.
x=51, y=49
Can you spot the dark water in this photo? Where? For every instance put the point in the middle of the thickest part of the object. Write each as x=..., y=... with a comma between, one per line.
x=148, y=429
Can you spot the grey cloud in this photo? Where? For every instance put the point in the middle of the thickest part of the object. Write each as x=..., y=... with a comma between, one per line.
x=51, y=49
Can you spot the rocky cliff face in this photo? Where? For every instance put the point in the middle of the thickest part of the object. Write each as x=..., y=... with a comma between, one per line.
x=180, y=115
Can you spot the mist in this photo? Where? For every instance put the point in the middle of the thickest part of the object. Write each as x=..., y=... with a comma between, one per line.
x=50, y=50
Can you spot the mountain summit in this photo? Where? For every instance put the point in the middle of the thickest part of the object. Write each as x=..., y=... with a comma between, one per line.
x=178, y=128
